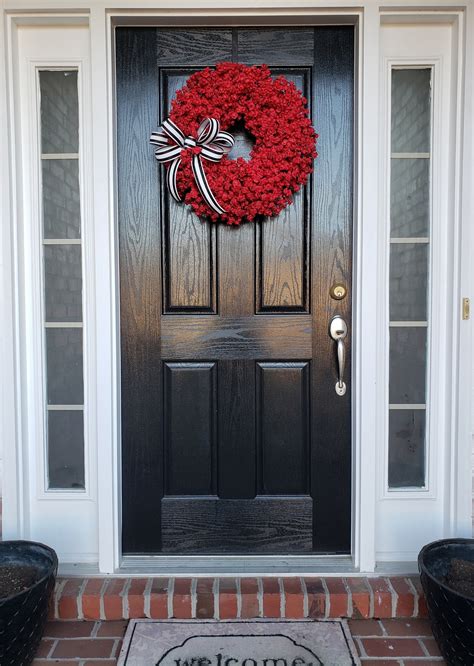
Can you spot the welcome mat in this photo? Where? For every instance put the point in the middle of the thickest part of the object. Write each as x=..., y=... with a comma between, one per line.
x=238, y=643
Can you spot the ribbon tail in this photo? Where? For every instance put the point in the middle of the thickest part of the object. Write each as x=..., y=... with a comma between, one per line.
x=171, y=181
x=203, y=185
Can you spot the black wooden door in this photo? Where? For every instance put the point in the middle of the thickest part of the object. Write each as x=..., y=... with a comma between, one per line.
x=233, y=437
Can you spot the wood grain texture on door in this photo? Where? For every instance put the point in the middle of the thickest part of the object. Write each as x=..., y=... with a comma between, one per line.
x=233, y=437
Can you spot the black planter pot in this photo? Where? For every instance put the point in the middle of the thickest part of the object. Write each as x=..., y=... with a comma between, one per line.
x=32, y=568
x=451, y=613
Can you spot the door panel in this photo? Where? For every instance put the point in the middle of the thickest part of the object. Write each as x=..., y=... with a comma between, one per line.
x=190, y=428
x=282, y=260
x=234, y=439
x=282, y=426
x=264, y=525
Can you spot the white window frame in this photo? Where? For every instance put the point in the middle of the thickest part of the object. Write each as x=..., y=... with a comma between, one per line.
x=407, y=508
x=34, y=258
x=433, y=397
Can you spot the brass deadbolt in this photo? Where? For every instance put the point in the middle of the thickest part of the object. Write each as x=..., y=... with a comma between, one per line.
x=338, y=291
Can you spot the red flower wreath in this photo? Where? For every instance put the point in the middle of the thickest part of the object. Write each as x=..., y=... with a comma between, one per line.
x=276, y=115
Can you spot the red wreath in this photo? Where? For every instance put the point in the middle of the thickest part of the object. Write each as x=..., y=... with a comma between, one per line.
x=274, y=112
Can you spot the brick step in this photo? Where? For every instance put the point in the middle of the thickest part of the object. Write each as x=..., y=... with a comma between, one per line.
x=231, y=598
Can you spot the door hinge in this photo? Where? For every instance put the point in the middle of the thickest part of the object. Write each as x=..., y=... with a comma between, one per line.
x=466, y=308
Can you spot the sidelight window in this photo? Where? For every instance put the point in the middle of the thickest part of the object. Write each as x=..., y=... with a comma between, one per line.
x=410, y=213
x=62, y=278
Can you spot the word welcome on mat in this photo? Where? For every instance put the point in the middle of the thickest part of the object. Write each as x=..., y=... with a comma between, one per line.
x=238, y=643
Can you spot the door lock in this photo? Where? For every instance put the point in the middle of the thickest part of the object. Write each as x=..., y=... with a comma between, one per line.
x=338, y=291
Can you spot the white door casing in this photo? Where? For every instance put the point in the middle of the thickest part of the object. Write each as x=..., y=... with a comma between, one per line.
x=387, y=526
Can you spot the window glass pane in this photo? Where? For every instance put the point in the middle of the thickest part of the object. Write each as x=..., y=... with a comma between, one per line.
x=407, y=365
x=408, y=281
x=62, y=277
x=63, y=283
x=66, y=449
x=411, y=110
x=64, y=366
x=61, y=203
x=410, y=197
x=59, y=111
x=410, y=216
x=407, y=448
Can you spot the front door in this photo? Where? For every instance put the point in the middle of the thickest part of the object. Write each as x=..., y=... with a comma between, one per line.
x=234, y=438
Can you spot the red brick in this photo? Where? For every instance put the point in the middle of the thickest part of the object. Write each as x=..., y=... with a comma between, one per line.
x=432, y=647
x=365, y=628
x=271, y=597
x=67, y=604
x=113, y=599
x=227, y=598
x=159, y=599
x=71, y=629
x=113, y=629
x=392, y=647
x=205, y=598
x=338, y=597
x=422, y=608
x=182, y=598
x=360, y=598
x=102, y=662
x=91, y=599
x=316, y=597
x=406, y=600
x=249, y=595
x=136, y=599
x=294, y=598
x=44, y=647
x=407, y=627
x=67, y=607
x=93, y=648
x=382, y=595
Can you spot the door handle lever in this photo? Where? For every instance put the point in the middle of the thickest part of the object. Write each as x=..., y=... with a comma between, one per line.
x=338, y=331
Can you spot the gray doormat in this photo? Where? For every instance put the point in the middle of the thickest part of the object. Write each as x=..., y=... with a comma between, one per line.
x=238, y=643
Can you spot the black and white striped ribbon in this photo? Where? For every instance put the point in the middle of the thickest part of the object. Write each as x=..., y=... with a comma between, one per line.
x=213, y=144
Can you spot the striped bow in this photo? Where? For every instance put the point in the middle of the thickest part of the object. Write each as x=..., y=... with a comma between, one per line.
x=213, y=144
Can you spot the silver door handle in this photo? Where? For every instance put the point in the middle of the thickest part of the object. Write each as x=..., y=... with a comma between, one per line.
x=338, y=331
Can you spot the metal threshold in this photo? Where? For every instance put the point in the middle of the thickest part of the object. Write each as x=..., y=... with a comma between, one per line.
x=231, y=566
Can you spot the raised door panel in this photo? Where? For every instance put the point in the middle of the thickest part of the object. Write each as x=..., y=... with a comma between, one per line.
x=283, y=428
x=264, y=525
x=189, y=244
x=190, y=428
x=282, y=273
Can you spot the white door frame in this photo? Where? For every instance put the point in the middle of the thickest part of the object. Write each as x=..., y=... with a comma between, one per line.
x=368, y=421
